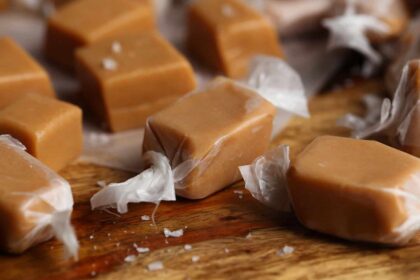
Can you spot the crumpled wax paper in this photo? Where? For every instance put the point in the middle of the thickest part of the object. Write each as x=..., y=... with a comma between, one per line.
x=266, y=178
x=350, y=30
x=392, y=117
x=57, y=195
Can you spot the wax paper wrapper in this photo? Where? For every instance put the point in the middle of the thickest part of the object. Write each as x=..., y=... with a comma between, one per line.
x=351, y=29
x=398, y=119
x=266, y=178
x=408, y=48
x=45, y=212
x=271, y=79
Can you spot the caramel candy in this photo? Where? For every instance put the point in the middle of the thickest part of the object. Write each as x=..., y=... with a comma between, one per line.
x=20, y=74
x=210, y=134
x=35, y=203
x=227, y=34
x=356, y=189
x=84, y=22
x=129, y=78
x=50, y=129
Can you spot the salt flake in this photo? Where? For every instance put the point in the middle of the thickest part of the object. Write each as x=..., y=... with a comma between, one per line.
x=109, y=64
x=286, y=250
x=187, y=247
x=175, y=233
x=158, y=265
x=195, y=259
x=143, y=250
x=130, y=258
x=145, y=218
x=116, y=47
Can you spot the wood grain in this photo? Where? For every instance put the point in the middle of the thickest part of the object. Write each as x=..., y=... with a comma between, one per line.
x=217, y=228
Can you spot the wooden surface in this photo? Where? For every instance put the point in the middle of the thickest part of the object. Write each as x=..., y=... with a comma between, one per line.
x=217, y=228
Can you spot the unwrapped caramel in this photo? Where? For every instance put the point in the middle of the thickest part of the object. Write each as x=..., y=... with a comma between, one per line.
x=50, y=129
x=127, y=79
x=356, y=189
x=84, y=22
x=20, y=74
x=35, y=203
x=226, y=34
x=214, y=132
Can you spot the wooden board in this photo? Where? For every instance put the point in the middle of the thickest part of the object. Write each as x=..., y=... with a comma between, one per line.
x=217, y=228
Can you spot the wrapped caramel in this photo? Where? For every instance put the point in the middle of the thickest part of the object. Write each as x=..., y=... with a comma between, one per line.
x=194, y=147
x=35, y=202
x=332, y=183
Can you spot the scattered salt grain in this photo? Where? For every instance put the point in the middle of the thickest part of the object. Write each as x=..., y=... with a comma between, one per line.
x=187, y=247
x=158, y=265
x=238, y=192
x=91, y=237
x=286, y=250
x=130, y=258
x=116, y=47
x=195, y=259
x=248, y=236
x=175, y=233
x=109, y=64
x=93, y=273
x=143, y=250
x=145, y=218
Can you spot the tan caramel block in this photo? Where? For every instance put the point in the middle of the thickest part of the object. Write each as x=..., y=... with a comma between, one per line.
x=227, y=34
x=355, y=189
x=25, y=187
x=148, y=75
x=20, y=74
x=220, y=128
x=50, y=129
x=84, y=22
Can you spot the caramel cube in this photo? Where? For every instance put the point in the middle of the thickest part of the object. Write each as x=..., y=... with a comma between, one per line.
x=50, y=129
x=84, y=22
x=20, y=74
x=356, y=189
x=129, y=78
x=210, y=134
x=226, y=34
x=30, y=196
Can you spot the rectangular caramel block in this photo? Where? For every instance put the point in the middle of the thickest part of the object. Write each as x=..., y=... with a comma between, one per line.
x=20, y=74
x=84, y=22
x=50, y=129
x=226, y=34
x=128, y=78
x=356, y=189
x=215, y=131
x=30, y=194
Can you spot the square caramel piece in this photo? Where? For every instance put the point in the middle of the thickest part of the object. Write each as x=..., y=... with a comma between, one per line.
x=226, y=34
x=208, y=135
x=83, y=22
x=356, y=189
x=127, y=79
x=50, y=129
x=20, y=74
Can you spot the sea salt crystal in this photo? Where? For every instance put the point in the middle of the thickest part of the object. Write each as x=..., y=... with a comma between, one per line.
x=227, y=250
x=143, y=250
x=286, y=250
x=175, y=233
x=109, y=64
x=187, y=247
x=130, y=258
x=145, y=218
x=116, y=47
x=238, y=192
x=93, y=273
x=91, y=237
x=101, y=184
x=195, y=259
x=158, y=265
x=248, y=236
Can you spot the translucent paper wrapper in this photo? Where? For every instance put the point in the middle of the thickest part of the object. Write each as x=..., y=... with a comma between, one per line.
x=45, y=224
x=266, y=180
x=351, y=29
x=271, y=78
x=392, y=120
